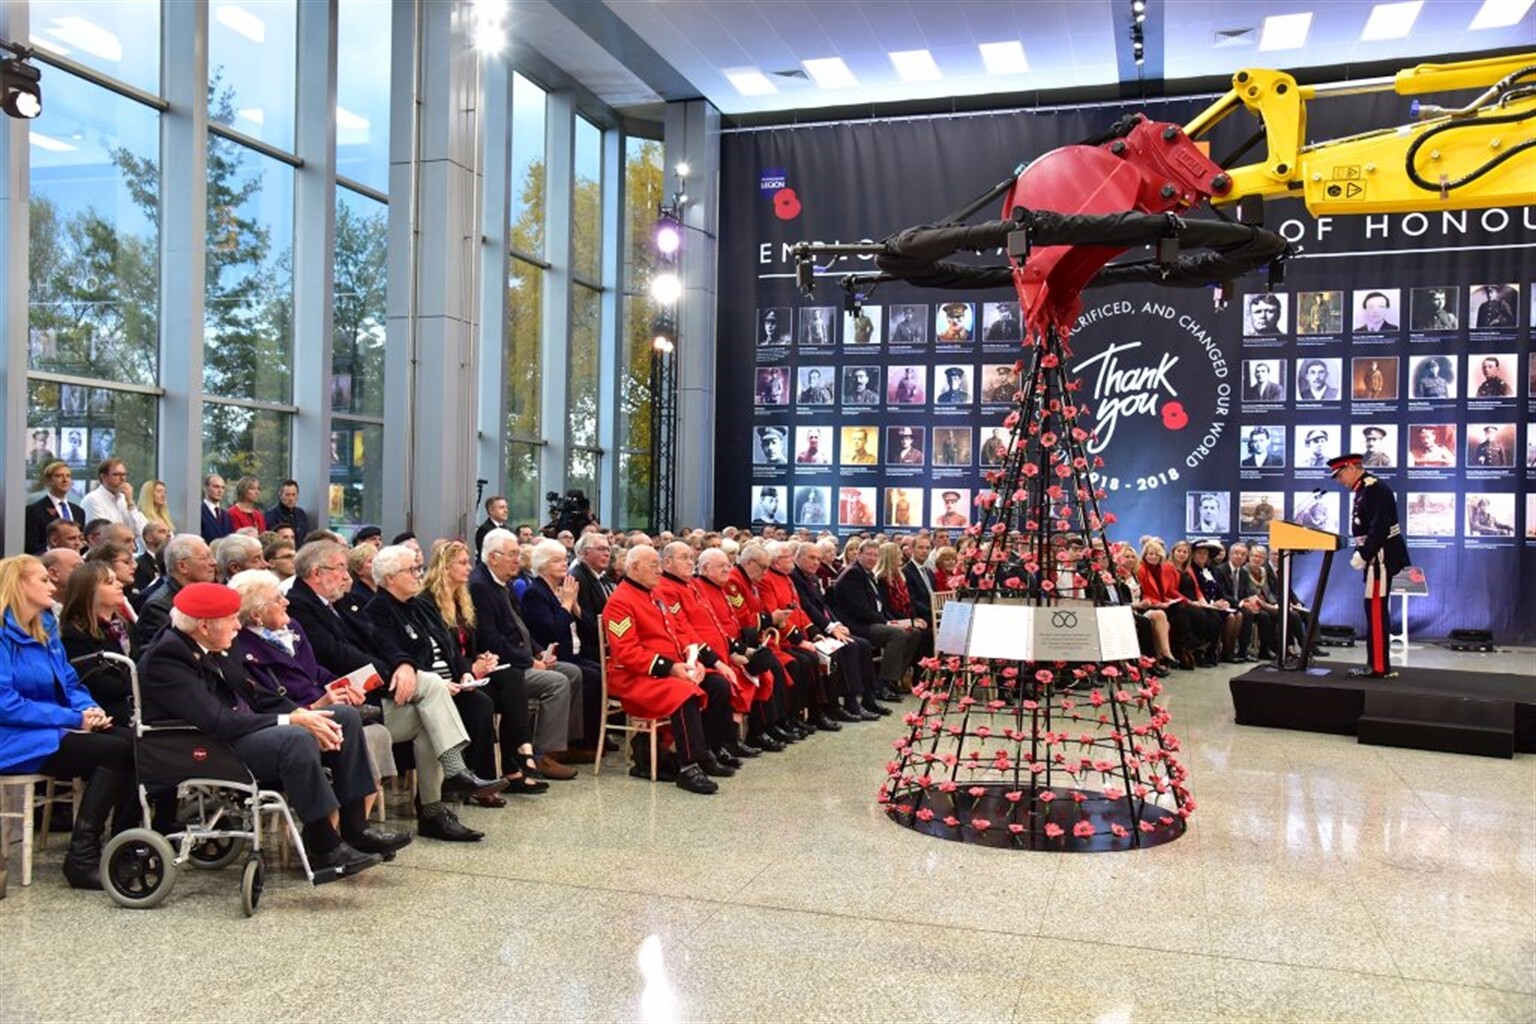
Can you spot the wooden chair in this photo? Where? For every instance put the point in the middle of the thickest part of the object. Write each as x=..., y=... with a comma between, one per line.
x=940, y=597
x=610, y=707
x=54, y=791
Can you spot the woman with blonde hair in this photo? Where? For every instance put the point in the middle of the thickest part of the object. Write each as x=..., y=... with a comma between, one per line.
x=946, y=569
x=154, y=506
x=892, y=582
x=446, y=590
x=245, y=512
x=50, y=724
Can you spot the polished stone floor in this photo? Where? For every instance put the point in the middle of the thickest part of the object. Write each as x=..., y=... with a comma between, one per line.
x=1320, y=880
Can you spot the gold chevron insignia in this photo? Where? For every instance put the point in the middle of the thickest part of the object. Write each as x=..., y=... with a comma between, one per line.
x=620, y=627
x=735, y=600
x=676, y=608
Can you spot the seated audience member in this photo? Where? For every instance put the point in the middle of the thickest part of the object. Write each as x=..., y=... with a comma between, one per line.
x=92, y=622
x=594, y=582
x=63, y=533
x=446, y=592
x=1238, y=621
x=320, y=757
x=767, y=714
x=215, y=521
x=188, y=559
x=417, y=707
x=409, y=631
x=1128, y=577
x=119, y=558
x=56, y=505
x=553, y=684
x=59, y=563
x=279, y=555
x=368, y=535
x=1222, y=622
x=237, y=553
x=1257, y=585
x=155, y=506
x=851, y=674
x=855, y=660
x=360, y=565
x=921, y=582
x=246, y=512
x=810, y=706
x=652, y=676
x=279, y=657
x=95, y=533
x=1188, y=636
x=287, y=511
x=149, y=567
x=554, y=615
x=860, y=606
x=51, y=725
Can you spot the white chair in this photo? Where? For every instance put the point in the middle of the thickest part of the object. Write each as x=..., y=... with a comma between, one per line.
x=610, y=707
x=54, y=791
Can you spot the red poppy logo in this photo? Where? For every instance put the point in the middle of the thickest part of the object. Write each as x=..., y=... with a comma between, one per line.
x=1174, y=416
x=786, y=205
x=199, y=754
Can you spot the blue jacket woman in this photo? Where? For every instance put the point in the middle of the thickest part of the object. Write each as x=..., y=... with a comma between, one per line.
x=33, y=677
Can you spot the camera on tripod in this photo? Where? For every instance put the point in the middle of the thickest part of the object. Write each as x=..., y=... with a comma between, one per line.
x=569, y=511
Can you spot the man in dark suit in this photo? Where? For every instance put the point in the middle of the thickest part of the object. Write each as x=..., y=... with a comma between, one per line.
x=188, y=677
x=856, y=597
x=495, y=519
x=187, y=560
x=813, y=602
x=215, y=521
x=55, y=504
x=593, y=584
x=287, y=511
x=556, y=685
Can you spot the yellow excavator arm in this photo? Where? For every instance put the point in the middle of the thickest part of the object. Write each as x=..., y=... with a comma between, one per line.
x=1477, y=156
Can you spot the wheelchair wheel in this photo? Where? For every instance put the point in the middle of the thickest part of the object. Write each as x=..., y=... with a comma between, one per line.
x=216, y=853
x=138, y=868
x=252, y=881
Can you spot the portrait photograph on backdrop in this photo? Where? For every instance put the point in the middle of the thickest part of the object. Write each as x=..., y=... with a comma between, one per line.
x=1530, y=446
x=814, y=386
x=1435, y=309
x=769, y=446
x=40, y=448
x=904, y=446
x=1432, y=377
x=103, y=441
x=908, y=324
x=856, y=506
x=1490, y=514
x=1000, y=322
x=906, y=384
x=1264, y=314
x=72, y=447
x=1263, y=380
x=1530, y=516
x=1490, y=445
x=1376, y=311
x=954, y=322
x=813, y=506
x=769, y=506
x=772, y=385
x=1317, y=380
x=816, y=326
x=903, y=506
x=1316, y=511
x=1319, y=312
x=1376, y=443
x=952, y=385
x=1315, y=445
x=1373, y=379
x=862, y=328
x=1432, y=445
x=775, y=326
x=1257, y=509
x=1207, y=513
x=1431, y=513
x=999, y=383
x=994, y=449
x=1493, y=377
x=860, y=446
x=1263, y=446
x=1493, y=307
x=813, y=446
x=861, y=385
x=951, y=446
x=951, y=507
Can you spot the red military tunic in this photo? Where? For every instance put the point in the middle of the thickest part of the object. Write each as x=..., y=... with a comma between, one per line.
x=718, y=621
x=644, y=642
x=751, y=612
x=778, y=592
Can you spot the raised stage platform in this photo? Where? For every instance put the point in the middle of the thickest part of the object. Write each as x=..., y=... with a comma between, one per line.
x=1483, y=713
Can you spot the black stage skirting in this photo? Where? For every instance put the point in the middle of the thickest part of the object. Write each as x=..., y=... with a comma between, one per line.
x=1427, y=708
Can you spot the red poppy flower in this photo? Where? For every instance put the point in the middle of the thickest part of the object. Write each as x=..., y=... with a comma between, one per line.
x=1084, y=829
x=1053, y=830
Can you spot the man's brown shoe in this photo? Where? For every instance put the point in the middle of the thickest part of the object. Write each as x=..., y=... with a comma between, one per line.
x=552, y=769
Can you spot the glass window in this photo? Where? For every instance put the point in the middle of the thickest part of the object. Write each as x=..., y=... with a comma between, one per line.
x=581, y=369
x=643, y=197
x=524, y=502
x=581, y=472
x=634, y=490
x=93, y=302
x=635, y=374
x=120, y=38
x=253, y=67
x=525, y=292
x=357, y=468
x=587, y=202
x=248, y=315
x=238, y=441
x=358, y=308
x=527, y=208
x=362, y=92
x=82, y=426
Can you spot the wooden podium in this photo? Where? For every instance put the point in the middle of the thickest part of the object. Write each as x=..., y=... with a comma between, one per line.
x=1287, y=539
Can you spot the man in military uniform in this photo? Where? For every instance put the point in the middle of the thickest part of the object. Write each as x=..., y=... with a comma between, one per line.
x=1380, y=553
x=1375, y=456
x=1493, y=384
x=908, y=454
x=1003, y=387
x=1435, y=316
x=955, y=393
x=766, y=718
x=995, y=449
x=907, y=330
x=815, y=392
x=951, y=517
x=856, y=389
x=654, y=674
x=1006, y=326
x=955, y=329
x=860, y=455
x=1489, y=451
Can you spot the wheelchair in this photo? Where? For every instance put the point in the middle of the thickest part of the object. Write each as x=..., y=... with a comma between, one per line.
x=222, y=809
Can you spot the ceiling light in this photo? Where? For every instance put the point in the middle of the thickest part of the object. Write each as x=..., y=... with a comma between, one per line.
x=255, y=115
x=84, y=34
x=50, y=143
x=1005, y=58
x=1391, y=21
x=669, y=235
x=830, y=73
x=751, y=82
x=666, y=288
x=1285, y=31
x=682, y=169
x=350, y=122
x=21, y=90
x=238, y=19
x=1499, y=14
x=490, y=25
x=916, y=66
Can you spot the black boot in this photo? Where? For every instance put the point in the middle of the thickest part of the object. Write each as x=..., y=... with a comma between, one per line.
x=82, y=864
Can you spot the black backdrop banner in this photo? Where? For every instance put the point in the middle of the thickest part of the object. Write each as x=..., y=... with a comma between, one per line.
x=1406, y=337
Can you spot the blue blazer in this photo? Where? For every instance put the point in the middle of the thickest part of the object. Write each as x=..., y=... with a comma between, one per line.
x=550, y=623
x=216, y=526
x=33, y=677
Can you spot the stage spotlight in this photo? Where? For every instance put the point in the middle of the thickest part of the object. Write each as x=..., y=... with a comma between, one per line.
x=669, y=235
x=666, y=288
x=682, y=170
x=21, y=94
x=663, y=333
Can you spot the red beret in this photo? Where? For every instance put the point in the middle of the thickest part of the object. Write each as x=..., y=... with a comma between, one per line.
x=206, y=601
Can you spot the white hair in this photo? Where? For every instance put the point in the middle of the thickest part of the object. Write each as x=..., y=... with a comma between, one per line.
x=709, y=556
x=497, y=540
x=545, y=552
x=390, y=559
x=729, y=546
x=778, y=548
x=236, y=548
x=254, y=587
x=181, y=548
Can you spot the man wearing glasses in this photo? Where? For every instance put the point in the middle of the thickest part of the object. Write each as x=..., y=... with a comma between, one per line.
x=112, y=498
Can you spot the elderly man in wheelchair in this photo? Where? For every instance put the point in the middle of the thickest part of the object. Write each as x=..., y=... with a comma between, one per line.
x=186, y=676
